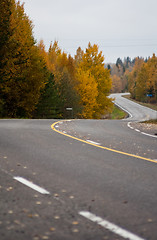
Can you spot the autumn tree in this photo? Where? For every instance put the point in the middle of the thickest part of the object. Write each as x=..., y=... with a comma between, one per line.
x=43, y=52
x=121, y=70
x=53, y=53
x=63, y=68
x=93, y=62
x=141, y=84
x=88, y=92
x=78, y=56
x=152, y=78
x=5, y=33
x=146, y=87
x=132, y=78
x=143, y=80
x=23, y=69
x=116, y=84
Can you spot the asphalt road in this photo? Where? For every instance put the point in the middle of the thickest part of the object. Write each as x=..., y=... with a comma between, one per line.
x=137, y=112
x=110, y=173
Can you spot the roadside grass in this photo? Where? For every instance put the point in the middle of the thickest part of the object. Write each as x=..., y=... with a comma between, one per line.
x=117, y=113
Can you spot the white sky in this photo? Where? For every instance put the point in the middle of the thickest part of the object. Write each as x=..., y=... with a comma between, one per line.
x=121, y=28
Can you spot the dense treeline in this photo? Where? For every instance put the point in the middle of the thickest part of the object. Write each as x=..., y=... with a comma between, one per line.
x=142, y=81
x=22, y=69
x=119, y=74
x=41, y=84
x=81, y=83
x=138, y=76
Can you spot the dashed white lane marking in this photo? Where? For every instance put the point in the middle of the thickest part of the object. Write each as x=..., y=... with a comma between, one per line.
x=137, y=130
x=31, y=185
x=110, y=226
x=130, y=125
x=96, y=143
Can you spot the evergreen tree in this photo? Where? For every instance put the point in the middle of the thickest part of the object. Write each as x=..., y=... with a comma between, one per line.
x=119, y=62
x=49, y=104
x=63, y=68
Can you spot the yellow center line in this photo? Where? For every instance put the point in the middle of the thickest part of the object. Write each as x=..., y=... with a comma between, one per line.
x=99, y=146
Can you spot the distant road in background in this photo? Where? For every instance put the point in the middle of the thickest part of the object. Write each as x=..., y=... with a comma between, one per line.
x=136, y=111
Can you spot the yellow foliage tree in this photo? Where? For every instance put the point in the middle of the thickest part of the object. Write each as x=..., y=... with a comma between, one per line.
x=42, y=51
x=152, y=78
x=88, y=92
x=93, y=61
x=141, y=84
x=143, y=80
x=23, y=74
x=62, y=67
x=78, y=56
x=116, y=84
x=133, y=75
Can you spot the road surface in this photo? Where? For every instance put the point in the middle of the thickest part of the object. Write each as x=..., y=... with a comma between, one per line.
x=100, y=184
x=136, y=112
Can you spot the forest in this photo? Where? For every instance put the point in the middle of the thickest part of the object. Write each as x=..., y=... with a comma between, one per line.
x=137, y=76
x=35, y=83
x=40, y=83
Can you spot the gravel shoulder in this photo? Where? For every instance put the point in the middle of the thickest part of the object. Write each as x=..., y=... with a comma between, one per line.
x=145, y=127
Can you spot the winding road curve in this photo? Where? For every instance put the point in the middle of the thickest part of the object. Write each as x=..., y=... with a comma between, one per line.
x=80, y=179
x=137, y=112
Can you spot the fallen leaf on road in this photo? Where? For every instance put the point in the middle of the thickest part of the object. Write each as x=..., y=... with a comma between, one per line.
x=75, y=223
x=52, y=229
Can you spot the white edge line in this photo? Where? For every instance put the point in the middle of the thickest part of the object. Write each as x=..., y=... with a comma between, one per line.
x=130, y=115
x=149, y=135
x=31, y=185
x=110, y=226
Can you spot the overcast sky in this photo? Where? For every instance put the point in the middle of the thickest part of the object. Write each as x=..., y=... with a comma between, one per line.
x=121, y=28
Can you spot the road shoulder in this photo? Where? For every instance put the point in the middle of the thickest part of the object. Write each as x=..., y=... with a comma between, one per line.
x=148, y=128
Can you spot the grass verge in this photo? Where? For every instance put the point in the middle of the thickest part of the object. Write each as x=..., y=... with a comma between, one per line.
x=117, y=113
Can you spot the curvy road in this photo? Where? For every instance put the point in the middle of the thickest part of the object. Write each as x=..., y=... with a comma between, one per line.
x=136, y=112
x=78, y=179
